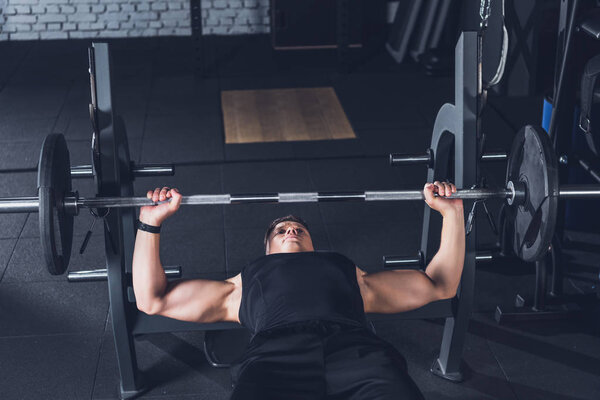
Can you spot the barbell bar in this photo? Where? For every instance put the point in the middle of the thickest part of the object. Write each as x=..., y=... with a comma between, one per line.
x=72, y=204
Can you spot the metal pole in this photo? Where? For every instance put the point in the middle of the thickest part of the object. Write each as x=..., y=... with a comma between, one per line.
x=400, y=262
x=102, y=274
x=495, y=156
x=19, y=205
x=308, y=197
x=409, y=159
x=579, y=192
x=153, y=170
x=31, y=204
x=397, y=159
x=85, y=171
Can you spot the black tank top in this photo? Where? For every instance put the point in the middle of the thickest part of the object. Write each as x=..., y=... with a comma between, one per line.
x=283, y=288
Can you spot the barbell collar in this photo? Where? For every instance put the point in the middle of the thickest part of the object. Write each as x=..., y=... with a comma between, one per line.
x=71, y=204
x=518, y=193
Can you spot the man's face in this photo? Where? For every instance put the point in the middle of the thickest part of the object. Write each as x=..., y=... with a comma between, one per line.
x=289, y=237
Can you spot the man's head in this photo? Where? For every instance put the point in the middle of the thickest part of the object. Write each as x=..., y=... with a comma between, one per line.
x=288, y=234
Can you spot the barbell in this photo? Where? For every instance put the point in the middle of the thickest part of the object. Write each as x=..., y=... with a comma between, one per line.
x=531, y=190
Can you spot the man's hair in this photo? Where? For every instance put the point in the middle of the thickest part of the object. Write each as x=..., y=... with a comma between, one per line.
x=277, y=221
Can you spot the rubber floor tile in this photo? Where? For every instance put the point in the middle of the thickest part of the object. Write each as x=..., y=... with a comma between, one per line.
x=28, y=264
x=48, y=367
x=50, y=308
x=546, y=360
x=171, y=364
x=419, y=342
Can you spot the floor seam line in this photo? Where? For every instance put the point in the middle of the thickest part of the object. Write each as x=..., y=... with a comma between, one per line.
x=62, y=107
x=502, y=369
x=14, y=248
x=99, y=353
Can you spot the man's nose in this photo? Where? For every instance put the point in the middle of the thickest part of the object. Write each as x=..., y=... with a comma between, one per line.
x=292, y=230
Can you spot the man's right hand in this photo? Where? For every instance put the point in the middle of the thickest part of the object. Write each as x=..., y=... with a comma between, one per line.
x=444, y=203
x=155, y=215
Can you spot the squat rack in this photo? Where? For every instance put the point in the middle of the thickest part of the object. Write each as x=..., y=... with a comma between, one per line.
x=454, y=136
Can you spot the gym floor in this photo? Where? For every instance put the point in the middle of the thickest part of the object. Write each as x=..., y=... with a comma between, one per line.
x=55, y=337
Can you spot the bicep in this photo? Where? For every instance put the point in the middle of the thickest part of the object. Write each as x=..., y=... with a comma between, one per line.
x=397, y=291
x=197, y=300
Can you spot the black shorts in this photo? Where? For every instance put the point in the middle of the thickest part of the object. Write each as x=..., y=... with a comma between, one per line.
x=321, y=360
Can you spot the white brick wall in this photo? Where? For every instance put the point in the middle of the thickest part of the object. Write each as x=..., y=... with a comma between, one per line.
x=66, y=19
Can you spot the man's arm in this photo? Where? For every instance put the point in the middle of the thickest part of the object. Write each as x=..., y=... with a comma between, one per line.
x=195, y=300
x=404, y=290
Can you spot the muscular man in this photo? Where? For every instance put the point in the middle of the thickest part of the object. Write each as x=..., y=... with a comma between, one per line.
x=305, y=308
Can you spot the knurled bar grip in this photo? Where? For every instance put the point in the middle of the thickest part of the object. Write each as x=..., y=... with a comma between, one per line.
x=31, y=204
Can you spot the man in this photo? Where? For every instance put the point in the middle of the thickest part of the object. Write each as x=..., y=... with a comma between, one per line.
x=306, y=309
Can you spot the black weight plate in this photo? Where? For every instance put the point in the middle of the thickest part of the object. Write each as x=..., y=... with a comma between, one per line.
x=532, y=161
x=505, y=235
x=54, y=183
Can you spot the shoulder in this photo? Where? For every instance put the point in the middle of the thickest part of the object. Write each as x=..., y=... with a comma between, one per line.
x=236, y=280
x=360, y=276
x=366, y=291
x=234, y=298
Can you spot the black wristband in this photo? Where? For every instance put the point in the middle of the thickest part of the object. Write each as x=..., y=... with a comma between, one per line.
x=147, y=228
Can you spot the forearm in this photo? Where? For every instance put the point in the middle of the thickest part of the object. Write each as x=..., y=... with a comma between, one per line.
x=445, y=269
x=149, y=279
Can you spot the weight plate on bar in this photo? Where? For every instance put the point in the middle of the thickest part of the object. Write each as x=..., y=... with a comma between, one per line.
x=54, y=183
x=505, y=235
x=531, y=222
